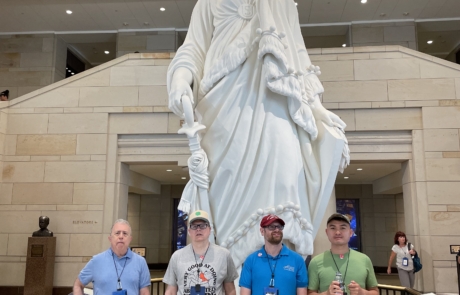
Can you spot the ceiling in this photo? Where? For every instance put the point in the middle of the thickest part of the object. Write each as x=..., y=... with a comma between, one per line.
x=325, y=22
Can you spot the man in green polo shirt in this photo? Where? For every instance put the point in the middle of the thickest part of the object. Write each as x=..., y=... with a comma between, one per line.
x=353, y=267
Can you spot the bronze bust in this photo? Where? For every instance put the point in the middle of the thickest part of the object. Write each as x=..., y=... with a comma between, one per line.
x=43, y=222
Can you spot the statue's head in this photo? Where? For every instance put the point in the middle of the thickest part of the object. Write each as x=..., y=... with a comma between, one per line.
x=43, y=222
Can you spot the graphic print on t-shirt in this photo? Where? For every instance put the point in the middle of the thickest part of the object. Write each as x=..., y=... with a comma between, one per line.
x=207, y=278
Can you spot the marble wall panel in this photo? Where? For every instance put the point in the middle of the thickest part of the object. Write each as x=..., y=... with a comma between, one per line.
x=42, y=145
x=131, y=42
x=367, y=35
x=421, y=89
x=101, y=78
x=42, y=193
x=23, y=172
x=139, y=75
x=74, y=172
x=26, y=78
x=12, y=273
x=75, y=222
x=17, y=244
x=66, y=273
x=336, y=70
x=92, y=144
x=88, y=193
x=27, y=123
x=355, y=91
x=19, y=222
x=387, y=69
x=3, y=244
x=443, y=280
x=36, y=59
x=443, y=169
x=399, y=33
x=153, y=96
x=78, y=123
x=388, y=119
x=85, y=244
x=435, y=70
x=108, y=96
x=457, y=87
x=138, y=123
x=441, y=117
x=10, y=60
x=444, y=223
x=441, y=140
x=443, y=192
x=6, y=193
x=59, y=97
x=26, y=44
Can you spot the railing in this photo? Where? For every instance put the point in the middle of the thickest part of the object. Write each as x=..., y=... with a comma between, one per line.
x=157, y=287
x=396, y=290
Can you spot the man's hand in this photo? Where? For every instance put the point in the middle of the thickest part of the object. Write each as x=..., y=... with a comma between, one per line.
x=334, y=289
x=180, y=84
x=355, y=288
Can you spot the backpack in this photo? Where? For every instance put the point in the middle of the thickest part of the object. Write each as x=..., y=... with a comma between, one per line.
x=416, y=260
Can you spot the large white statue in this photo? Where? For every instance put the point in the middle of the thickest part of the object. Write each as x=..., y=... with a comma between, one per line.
x=271, y=145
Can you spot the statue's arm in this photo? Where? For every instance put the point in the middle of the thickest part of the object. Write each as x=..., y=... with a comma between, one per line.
x=180, y=84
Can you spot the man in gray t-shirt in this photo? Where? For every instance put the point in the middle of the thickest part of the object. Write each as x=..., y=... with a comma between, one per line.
x=201, y=267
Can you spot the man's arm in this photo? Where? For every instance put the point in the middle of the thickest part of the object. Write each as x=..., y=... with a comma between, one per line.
x=78, y=287
x=301, y=291
x=171, y=290
x=229, y=288
x=145, y=291
x=245, y=291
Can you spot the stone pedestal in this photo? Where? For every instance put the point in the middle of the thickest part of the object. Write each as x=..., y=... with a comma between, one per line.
x=40, y=266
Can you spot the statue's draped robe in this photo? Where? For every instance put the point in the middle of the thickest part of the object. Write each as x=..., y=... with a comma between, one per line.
x=253, y=94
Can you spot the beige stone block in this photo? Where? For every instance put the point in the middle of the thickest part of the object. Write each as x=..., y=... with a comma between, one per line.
x=435, y=70
x=137, y=109
x=336, y=70
x=388, y=104
x=84, y=244
x=25, y=78
x=131, y=43
x=331, y=105
x=383, y=55
x=45, y=158
x=59, y=97
x=36, y=59
x=19, y=222
x=42, y=193
x=10, y=144
x=101, y=78
x=90, y=144
x=78, y=123
x=457, y=87
x=13, y=207
x=153, y=96
x=98, y=157
x=387, y=69
x=423, y=89
x=433, y=155
x=108, y=96
x=413, y=103
x=27, y=123
x=454, y=208
x=142, y=62
x=353, y=56
x=355, y=105
x=40, y=207
x=23, y=172
x=138, y=123
x=48, y=110
x=441, y=117
x=62, y=244
x=65, y=273
x=108, y=109
x=17, y=244
x=138, y=75
x=355, y=91
x=161, y=110
x=78, y=110
x=3, y=244
x=315, y=58
x=174, y=123
x=74, y=172
x=46, y=144
x=76, y=158
x=72, y=207
x=445, y=279
x=27, y=89
x=441, y=140
x=10, y=60
x=449, y=103
x=16, y=158
x=443, y=169
x=437, y=208
x=95, y=207
x=12, y=273
x=6, y=193
x=399, y=33
x=367, y=35
x=388, y=119
x=443, y=192
x=88, y=193
x=75, y=221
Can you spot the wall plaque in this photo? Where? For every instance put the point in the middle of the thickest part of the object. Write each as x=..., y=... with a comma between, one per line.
x=36, y=251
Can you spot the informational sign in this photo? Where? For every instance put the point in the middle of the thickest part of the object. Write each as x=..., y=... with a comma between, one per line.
x=139, y=250
x=350, y=208
x=454, y=249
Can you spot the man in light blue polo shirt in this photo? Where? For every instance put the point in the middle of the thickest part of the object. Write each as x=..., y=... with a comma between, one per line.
x=118, y=270
x=274, y=269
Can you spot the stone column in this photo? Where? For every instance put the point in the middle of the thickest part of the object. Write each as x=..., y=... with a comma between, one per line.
x=385, y=33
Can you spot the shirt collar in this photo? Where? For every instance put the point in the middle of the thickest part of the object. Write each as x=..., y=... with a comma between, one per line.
x=263, y=254
x=129, y=254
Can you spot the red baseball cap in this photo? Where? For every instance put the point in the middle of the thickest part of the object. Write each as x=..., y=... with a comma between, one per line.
x=269, y=219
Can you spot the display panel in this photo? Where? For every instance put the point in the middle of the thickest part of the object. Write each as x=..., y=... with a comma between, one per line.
x=350, y=208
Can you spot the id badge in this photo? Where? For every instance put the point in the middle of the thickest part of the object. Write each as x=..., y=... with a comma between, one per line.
x=270, y=291
x=197, y=290
x=405, y=261
x=120, y=292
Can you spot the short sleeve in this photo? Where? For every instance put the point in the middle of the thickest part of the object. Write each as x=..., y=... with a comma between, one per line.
x=394, y=248
x=301, y=276
x=371, y=280
x=313, y=278
x=170, y=277
x=144, y=279
x=246, y=274
x=232, y=274
x=86, y=274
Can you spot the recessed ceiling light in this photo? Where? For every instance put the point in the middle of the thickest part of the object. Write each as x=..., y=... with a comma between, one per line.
x=359, y=169
x=106, y=52
x=344, y=45
x=383, y=14
x=296, y=3
x=406, y=13
x=162, y=9
x=73, y=73
x=183, y=177
x=363, y=1
x=429, y=41
x=346, y=177
x=146, y=23
x=169, y=170
x=68, y=11
x=69, y=71
x=125, y=24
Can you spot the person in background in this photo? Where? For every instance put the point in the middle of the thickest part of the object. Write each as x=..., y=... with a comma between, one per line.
x=4, y=95
x=403, y=260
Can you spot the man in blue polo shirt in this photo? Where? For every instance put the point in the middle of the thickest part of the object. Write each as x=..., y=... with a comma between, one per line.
x=274, y=269
x=118, y=270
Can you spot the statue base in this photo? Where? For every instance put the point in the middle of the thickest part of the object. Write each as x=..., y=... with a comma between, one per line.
x=40, y=266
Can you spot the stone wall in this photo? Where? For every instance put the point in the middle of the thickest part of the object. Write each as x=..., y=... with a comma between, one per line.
x=144, y=42
x=30, y=62
x=385, y=33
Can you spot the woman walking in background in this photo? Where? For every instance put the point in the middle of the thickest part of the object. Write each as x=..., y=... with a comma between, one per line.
x=403, y=260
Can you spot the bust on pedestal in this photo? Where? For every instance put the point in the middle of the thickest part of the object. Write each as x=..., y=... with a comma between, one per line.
x=41, y=251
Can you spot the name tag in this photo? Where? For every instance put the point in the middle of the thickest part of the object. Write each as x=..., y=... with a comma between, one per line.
x=120, y=292
x=270, y=291
x=405, y=261
x=197, y=290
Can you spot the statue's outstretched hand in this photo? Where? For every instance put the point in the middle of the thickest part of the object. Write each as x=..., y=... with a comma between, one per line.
x=180, y=85
x=327, y=117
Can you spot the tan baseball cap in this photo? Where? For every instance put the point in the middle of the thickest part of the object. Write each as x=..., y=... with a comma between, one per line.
x=199, y=215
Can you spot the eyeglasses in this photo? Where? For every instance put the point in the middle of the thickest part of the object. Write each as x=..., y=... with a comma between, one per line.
x=273, y=227
x=121, y=233
x=200, y=226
